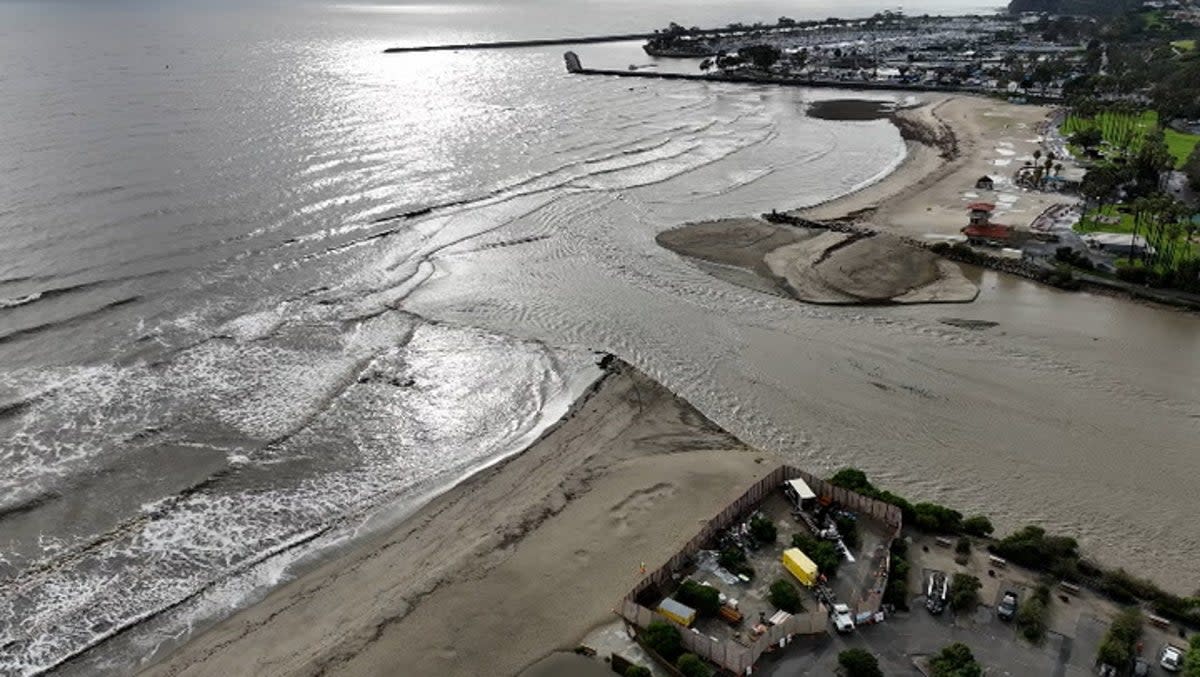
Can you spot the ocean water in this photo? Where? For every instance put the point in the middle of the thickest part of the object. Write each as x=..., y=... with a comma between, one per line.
x=210, y=367
x=261, y=282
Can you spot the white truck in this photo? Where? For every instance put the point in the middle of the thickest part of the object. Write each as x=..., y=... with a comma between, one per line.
x=843, y=620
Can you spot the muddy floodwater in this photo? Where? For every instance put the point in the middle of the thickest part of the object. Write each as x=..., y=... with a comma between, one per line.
x=262, y=283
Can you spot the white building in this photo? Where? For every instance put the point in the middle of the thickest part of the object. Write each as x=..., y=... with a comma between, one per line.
x=1119, y=244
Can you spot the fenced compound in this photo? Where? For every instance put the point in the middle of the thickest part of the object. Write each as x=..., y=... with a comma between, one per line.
x=731, y=655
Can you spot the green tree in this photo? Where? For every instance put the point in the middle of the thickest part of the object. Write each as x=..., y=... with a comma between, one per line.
x=1116, y=649
x=978, y=525
x=955, y=660
x=663, y=638
x=691, y=665
x=964, y=592
x=859, y=663
x=637, y=671
x=852, y=479
x=1087, y=138
x=784, y=596
x=848, y=528
x=937, y=518
x=1191, y=167
x=823, y=553
x=1031, y=547
x=763, y=529
x=1191, y=660
x=703, y=598
x=1031, y=619
x=762, y=56
x=1100, y=185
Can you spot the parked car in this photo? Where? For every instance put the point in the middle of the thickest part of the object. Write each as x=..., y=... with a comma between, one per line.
x=936, y=592
x=842, y=619
x=1140, y=668
x=1171, y=658
x=1007, y=609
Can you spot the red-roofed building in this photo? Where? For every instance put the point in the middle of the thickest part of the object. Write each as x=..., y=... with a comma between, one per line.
x=980, y=213
x=981, y=231
x=989, y=233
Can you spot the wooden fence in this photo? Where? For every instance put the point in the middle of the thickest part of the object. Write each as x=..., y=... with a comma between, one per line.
x=732, y=656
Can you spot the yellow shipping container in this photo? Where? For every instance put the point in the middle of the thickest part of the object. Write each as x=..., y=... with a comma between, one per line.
x=680, y=613
x=803, y=568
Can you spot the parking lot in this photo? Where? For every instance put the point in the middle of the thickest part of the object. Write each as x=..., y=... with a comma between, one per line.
x=1077, y=626
x=908, y=636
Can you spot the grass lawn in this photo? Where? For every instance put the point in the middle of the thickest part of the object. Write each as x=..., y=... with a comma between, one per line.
x=1185, y=45
x=1113, y=126
x=1089, y=224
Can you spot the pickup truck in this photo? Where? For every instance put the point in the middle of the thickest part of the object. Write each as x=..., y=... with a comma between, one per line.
x=1171, y=658
x=1006, y=610
x=842, y=619
x=936, y=592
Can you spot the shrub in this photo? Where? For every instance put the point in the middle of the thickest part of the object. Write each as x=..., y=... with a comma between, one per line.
x=978, y=525
x=937, y=518
x=853, y=479
x=704, y=599
x=955, y=660
x=1042, y=592
x=663, y=639
x=1063, y=278
x=637, y=671
x=1032, y=548
x=896, y=592
x=783, y=596
x=1132, y=274
x=692, y=666
x=734, y=559
x=964, y=592
x=856, y=480
x=859, y=663
x=939, y=248
x=1126, y=588
x=763, y=530
x=963, y=547
x=823, y=553
x=1031, y=620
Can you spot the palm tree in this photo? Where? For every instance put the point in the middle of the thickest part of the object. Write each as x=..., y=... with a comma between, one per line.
x=1058, y=167
x=1140, y=209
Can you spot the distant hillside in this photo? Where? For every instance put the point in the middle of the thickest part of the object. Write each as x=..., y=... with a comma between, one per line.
x=1079, y=7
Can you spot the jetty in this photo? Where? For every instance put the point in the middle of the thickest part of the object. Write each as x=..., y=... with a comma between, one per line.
x=513, y=44
x=575, y=67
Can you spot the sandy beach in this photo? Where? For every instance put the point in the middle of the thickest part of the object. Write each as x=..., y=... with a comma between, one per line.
x=819, y=266
x=518, y=561
x=952, y=141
